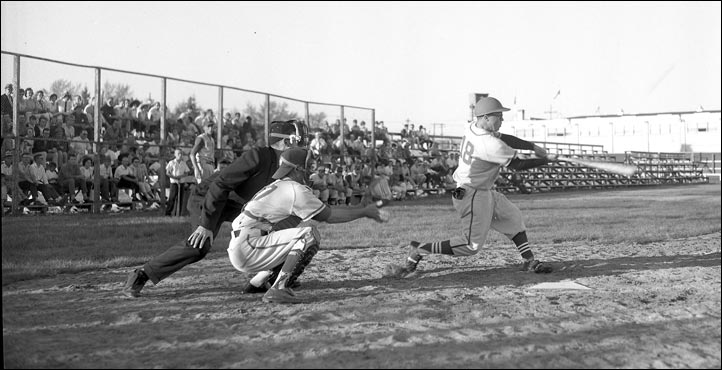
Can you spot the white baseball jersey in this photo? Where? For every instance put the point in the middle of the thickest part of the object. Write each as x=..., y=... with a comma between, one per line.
x=481, y=156
x=252, y=248
x=277, y=201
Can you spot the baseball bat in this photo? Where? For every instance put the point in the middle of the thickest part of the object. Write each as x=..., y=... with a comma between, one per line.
x=613, y=167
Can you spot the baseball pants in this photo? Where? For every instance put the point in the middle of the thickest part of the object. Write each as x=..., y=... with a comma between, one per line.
x=481, y=210
x=252, y=250
x=182, y=254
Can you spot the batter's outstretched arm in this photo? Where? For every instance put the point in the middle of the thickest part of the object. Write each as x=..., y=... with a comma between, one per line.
x=517, y=143
x=517, y=164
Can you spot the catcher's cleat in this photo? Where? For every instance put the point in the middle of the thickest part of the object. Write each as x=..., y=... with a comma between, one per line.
x=537, y=267
x=286, y=295
x=292, y=281
x=135, y=283
x=252, y=289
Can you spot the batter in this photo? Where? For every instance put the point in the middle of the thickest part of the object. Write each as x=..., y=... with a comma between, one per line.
x=483, y=152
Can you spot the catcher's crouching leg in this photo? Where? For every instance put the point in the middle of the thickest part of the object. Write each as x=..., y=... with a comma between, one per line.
x=313, y=244
x=311, y=247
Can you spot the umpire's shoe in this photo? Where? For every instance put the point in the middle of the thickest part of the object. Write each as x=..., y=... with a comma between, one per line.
x=135, y=283
x=286, y=295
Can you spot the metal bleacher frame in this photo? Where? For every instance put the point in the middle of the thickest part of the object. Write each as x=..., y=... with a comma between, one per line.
x=653, y=169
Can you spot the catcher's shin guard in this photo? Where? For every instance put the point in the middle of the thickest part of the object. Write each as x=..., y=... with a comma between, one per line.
x=302, y=263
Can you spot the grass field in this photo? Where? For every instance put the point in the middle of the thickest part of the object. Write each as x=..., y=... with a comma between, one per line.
x=651, y=257
x=37, y=246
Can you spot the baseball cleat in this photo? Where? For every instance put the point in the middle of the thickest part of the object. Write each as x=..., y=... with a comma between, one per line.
x=537, y=267
x=252, y=289
x=284, y=296
x=134, y=284
x=414, y=257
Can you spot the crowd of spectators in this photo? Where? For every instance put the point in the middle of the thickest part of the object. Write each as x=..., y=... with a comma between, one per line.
x=57, y=136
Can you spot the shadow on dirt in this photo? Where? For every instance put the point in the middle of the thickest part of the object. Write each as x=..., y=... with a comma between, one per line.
x=465, y=277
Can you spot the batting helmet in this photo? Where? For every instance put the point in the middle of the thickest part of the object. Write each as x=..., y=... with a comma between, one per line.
x=487, y=106
x=294, y=130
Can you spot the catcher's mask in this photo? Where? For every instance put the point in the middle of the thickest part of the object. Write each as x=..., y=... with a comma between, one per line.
x=294, y=130
x=293, y=159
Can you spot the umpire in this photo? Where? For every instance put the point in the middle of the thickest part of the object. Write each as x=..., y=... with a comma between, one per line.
x=209, y=205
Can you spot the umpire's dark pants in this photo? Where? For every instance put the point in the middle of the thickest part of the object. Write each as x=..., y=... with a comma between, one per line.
x=182, y=254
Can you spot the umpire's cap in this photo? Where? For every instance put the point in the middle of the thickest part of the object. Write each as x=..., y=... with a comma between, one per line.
x=291, y=159
x=487, y=106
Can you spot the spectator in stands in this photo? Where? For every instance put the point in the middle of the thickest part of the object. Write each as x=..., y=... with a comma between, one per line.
x=81, y=145
x=176, y=170
x=203, y=153
x=58, y=149
x=107, y=111
x=41, y=104
x=53, y=105
x=71, y=178
x=65, y=105
x=319, y=185
x=42, y=144
x=89, y=110
x=155, y=113
x=364, y=130
x=335, y=186
x=318, y=144
x=87, y=170
x=248, y=128
x=452, y=161
x=32, y=124
x=31, y=105
x=404, y=131
x=357, y=146
x=42, y=124
x=6, y=168
x=78, y=102
x=141, y=173
x=106, y=173
x=125, y=174
x=69, y=126
x=418, y=172
x=26, y=180
x=6, y=100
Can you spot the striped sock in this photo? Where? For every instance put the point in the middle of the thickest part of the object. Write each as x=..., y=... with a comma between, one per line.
x=522, y=244
x=443, y=247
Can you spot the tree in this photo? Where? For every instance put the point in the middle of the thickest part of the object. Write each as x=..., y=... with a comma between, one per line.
x=184, y=106
x=61, y=86
x=116, y=91
x=279, y=112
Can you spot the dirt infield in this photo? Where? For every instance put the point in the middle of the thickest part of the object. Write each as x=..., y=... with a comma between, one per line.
x=650, y=306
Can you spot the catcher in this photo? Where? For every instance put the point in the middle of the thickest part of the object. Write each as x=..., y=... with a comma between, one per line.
x=483, y=152
x=257, y=246
x=217, y=199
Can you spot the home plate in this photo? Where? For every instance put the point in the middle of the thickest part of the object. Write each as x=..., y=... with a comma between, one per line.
x=566, y=284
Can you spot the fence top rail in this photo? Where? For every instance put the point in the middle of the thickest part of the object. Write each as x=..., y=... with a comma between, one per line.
x=173, y=78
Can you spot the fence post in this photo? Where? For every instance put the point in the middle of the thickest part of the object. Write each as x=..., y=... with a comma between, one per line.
x=96, y=140
x=16, y=133
x=308, y=121
x=162, y=180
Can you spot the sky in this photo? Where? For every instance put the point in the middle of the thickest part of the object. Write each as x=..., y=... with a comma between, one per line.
x=416, y=61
